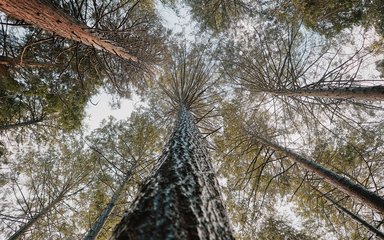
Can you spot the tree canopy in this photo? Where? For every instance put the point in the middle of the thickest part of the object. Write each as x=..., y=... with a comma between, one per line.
x=287, y=97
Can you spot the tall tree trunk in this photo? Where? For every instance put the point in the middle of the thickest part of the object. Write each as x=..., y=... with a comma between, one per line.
x=98, y=225
x=35, y=218
x=181, y=200
x=353, y=216
x=373, y=93
x=355, y=190
x=43, y=14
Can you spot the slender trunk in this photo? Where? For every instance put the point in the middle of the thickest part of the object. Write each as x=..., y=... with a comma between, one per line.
x=35, y=218
x=181, y=200
x=20, y=124
x=356, y=218
x=355, y=190
x=4, y=60
x=98, y=225
x=373, y=93
x=43, y=14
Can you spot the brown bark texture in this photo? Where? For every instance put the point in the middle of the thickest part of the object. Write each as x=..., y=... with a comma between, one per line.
x=181, y=200
x=46, y=16
x=372, y=93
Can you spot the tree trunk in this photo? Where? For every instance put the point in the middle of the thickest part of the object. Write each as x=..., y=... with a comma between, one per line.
x=43, y=14
x=98, y=225
x=373, y=93
x=354, y=190
x=8, y=61
x=20, y=124
x=356, y=218
x=181, y=200
x=35, y=218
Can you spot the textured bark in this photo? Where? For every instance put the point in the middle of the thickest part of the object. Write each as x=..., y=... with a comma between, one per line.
x=98, y=225
x=35, y=218
x=181, y=200
x=354, y=190
x=374, y=93
x=354, y=217
x=43, y=14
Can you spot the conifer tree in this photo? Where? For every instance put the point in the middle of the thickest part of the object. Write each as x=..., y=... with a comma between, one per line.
x=355, y=190
x=45, y=15
x=181, y=200
x=127, y=147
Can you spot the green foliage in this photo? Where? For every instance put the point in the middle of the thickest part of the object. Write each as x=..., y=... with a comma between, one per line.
x=126, y=142
x=255, y=177
x=48, y=78
x=52, y=83
x=45, y=80
x=125, y=147
x=32, y=95
x=216, y=15
x=331, y=17
x=88, y=176
x=273, y=228
x=41, y=176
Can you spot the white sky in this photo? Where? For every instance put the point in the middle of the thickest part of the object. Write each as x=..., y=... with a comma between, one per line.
x=100, y=108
